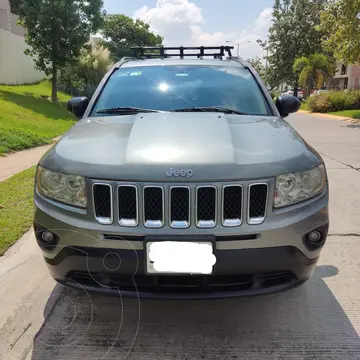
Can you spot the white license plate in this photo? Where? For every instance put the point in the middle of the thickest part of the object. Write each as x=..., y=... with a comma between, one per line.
x=178, y=257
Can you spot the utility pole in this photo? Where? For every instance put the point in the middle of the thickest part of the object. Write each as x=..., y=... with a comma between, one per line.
x=267, y=54
x=238, y=45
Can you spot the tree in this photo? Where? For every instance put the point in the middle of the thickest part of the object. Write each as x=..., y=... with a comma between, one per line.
x=82, y=76
x=313, y=71
x=293, y=34
x=257, y=64
x=340, y=24
x=122, y=32
x=56, y=31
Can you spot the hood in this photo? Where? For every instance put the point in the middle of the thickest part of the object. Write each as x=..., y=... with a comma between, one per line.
x=213, y=146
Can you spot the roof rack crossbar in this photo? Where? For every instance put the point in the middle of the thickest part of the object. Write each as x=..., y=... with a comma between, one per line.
x=161, y=51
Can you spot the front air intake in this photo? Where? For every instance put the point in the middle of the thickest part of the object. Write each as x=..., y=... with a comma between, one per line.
x=180, y=207
x=232, y=205
x=206, y=206
x=128, y=205
x=258, y=194
x=153, y=206
x=103, y=203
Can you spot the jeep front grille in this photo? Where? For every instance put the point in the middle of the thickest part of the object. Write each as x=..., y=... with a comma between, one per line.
x=128, y=205
x=103, y=203
x=206, y=206
x=181, y=206
x=232, y=205
x=257, y=203
x=153, y=206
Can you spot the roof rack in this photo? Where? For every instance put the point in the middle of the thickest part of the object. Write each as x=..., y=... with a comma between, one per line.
x=161, y=51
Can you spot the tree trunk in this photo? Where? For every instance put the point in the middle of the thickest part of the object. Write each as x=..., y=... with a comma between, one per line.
x=295, y=89
x=309, y=86
x=54, y=84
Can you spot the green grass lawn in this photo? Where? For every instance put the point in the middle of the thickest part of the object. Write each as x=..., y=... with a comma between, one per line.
x=355, y=114
x=28, y=118
x=16, y=207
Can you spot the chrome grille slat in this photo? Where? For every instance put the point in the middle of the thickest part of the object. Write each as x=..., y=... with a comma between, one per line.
x=179, y=206
x=206, y=206
x=128, y=205
x=232, y=202
x=257, y=203
x=153, y=198
x=103, y=203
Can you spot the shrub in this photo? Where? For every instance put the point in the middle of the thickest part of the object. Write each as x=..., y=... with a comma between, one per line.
x=319, y=103
x=83, y=76
x=335, y=101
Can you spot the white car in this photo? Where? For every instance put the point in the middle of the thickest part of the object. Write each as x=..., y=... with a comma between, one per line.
x=300, y=94
x=318, y=92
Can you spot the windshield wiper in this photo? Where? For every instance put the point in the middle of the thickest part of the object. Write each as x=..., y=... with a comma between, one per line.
x=125, y=110
x=211, y=109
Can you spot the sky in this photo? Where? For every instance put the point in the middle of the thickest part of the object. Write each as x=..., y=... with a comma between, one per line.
x=202, y=22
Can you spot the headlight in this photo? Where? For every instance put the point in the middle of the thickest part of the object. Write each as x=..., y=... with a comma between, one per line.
x=293, y=188
x=69, y=189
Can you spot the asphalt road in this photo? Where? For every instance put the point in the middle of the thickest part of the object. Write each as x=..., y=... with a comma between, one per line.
x=319, y=320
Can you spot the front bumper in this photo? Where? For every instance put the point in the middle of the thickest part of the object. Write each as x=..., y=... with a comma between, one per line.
x=251, y=260
x=237, y=273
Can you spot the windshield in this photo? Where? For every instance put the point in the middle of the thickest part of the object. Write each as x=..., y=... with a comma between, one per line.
x=168, y=88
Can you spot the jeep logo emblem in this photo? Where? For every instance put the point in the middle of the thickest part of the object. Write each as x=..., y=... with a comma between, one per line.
x=179, y=172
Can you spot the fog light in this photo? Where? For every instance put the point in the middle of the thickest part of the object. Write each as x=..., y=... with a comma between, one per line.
x=315, y=239
x=47, y=236
x=46, y=239
x=315, y=236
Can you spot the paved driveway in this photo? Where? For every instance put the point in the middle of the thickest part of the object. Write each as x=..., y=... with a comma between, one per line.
x=338, y=142
x=320, y=320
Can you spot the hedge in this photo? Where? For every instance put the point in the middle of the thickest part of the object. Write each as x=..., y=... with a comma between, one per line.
x=335, y=101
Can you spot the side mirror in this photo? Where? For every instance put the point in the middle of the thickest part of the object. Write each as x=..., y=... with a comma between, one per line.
x=77, y=106
x=287, y=104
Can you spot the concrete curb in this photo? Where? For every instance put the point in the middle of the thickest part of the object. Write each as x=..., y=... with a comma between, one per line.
x=327, y=116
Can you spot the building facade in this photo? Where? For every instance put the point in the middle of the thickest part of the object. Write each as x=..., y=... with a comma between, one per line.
x=347, y=77
x=15, y=66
